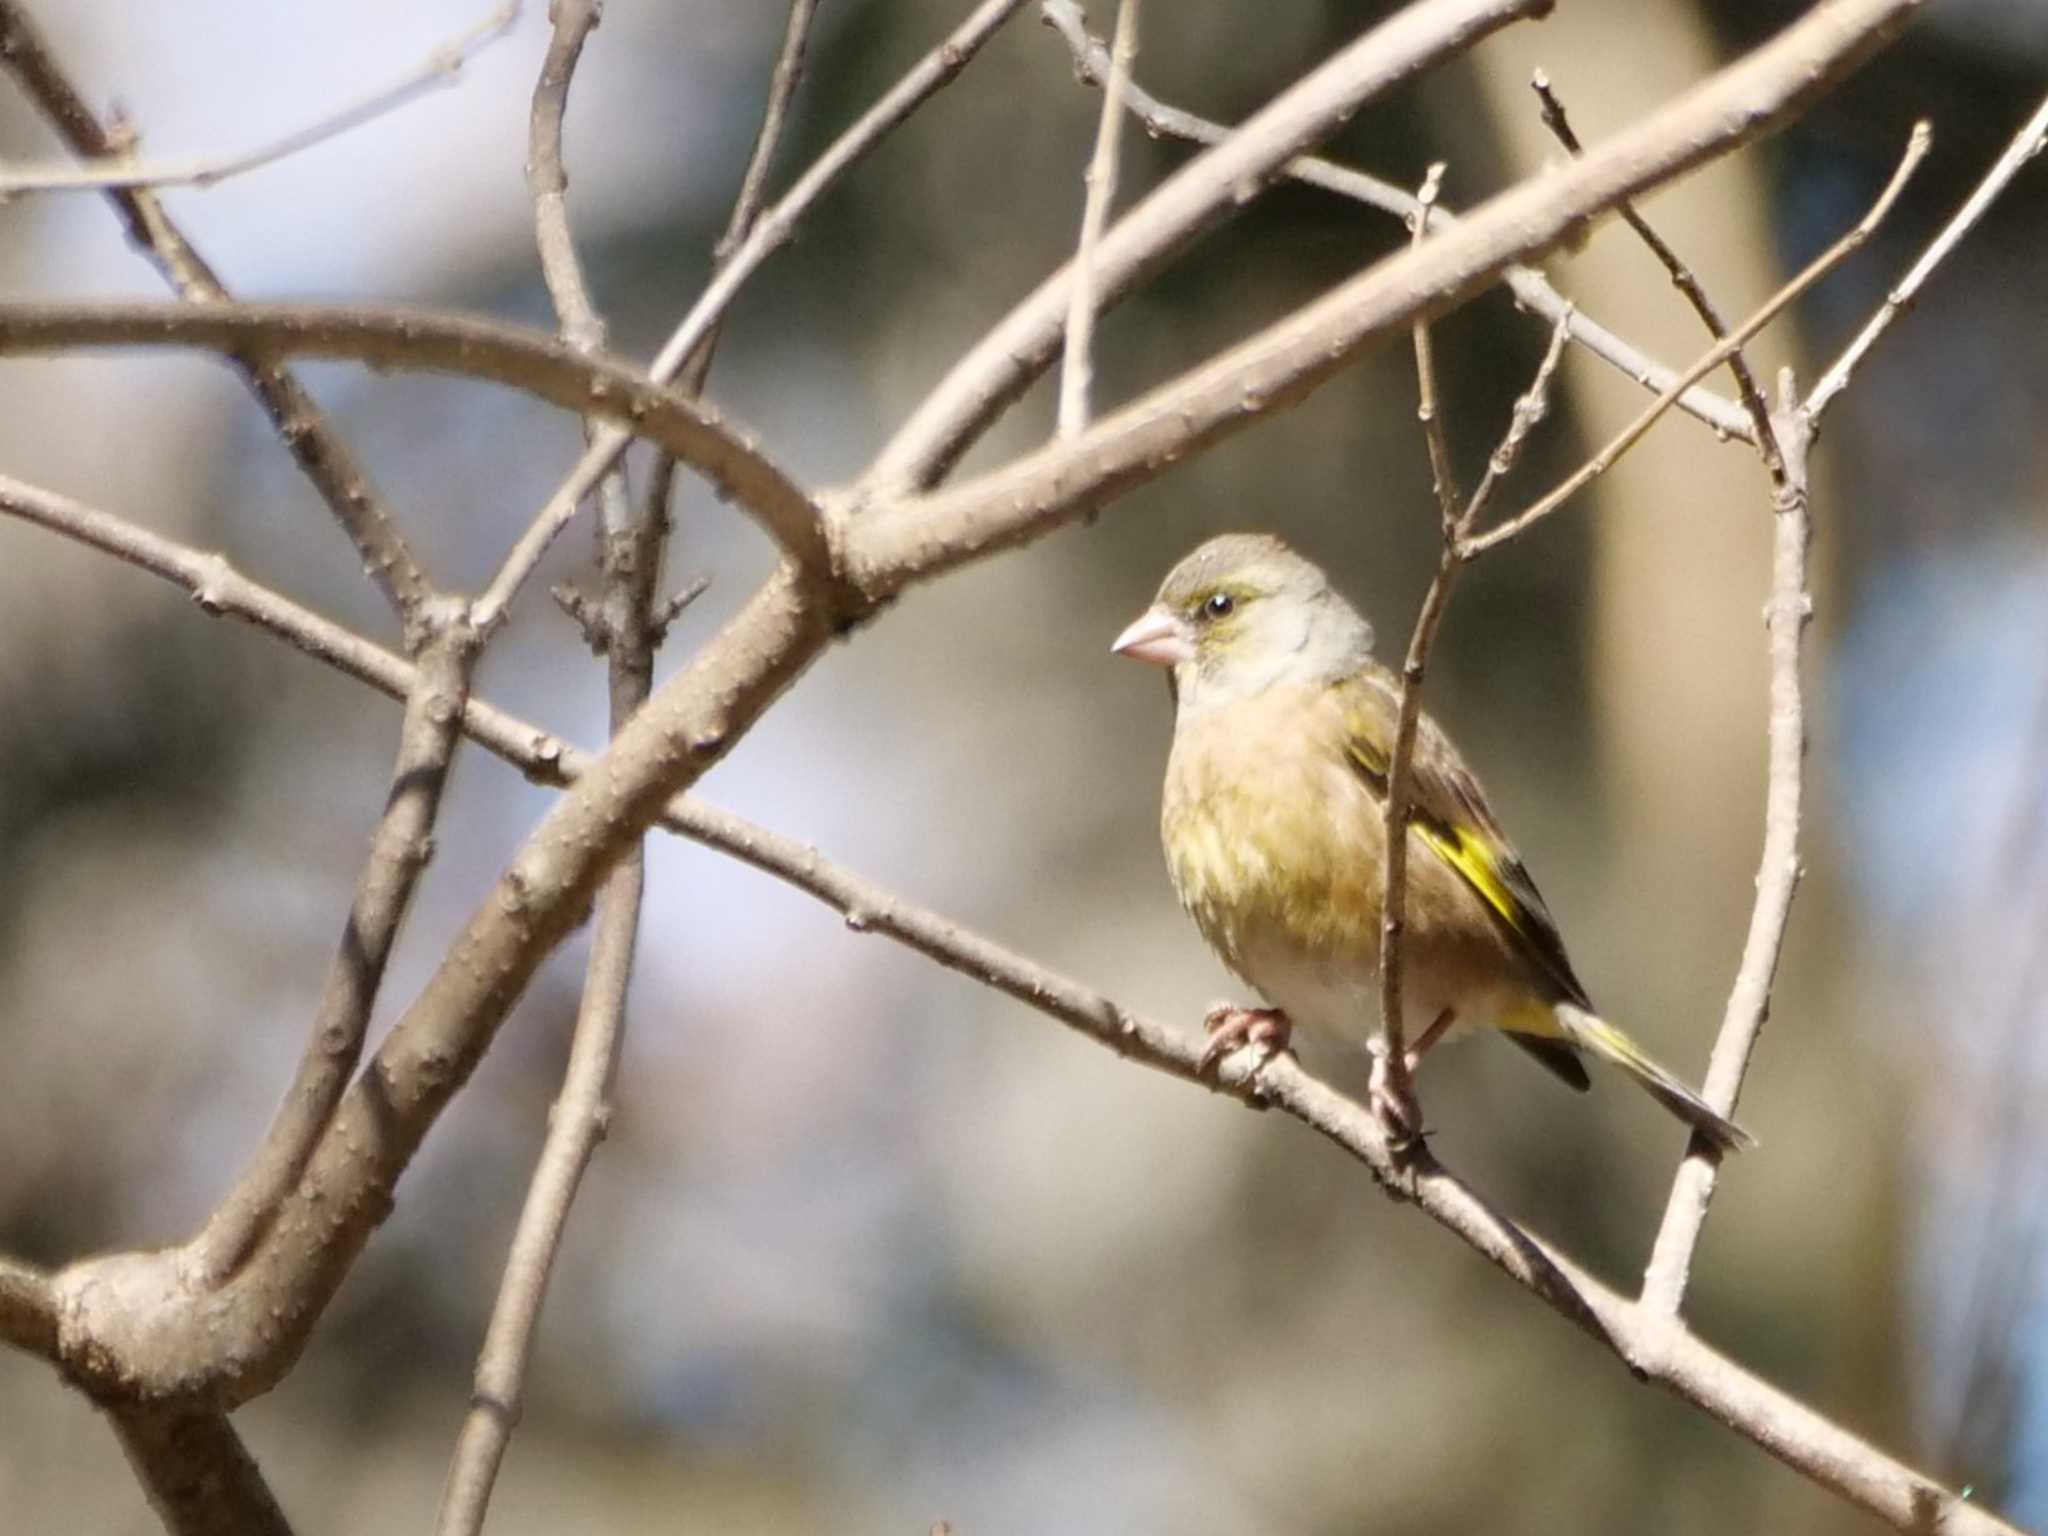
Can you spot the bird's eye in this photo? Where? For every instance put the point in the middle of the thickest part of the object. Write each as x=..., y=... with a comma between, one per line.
x=1219, y=605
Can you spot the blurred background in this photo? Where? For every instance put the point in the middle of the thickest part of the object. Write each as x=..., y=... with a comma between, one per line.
x=870, y=1247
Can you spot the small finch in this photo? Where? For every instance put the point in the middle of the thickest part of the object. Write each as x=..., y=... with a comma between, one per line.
x=1273, y=818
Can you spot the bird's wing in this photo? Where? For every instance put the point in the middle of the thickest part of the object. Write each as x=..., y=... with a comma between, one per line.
x=1449, y=811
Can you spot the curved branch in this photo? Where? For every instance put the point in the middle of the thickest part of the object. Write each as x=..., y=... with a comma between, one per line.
x=393, y=337
x=321, y=454
x=1197, y=196
x=1531, y=289
x=919, y=536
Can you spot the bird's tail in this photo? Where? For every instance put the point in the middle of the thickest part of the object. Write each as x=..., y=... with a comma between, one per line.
x=1595, y=1034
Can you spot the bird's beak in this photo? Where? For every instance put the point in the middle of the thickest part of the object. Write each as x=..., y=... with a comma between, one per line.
x=1158, y=637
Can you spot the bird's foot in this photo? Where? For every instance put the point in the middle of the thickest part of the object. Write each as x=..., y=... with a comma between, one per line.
x=1392, y=1099
x=1232, y=1028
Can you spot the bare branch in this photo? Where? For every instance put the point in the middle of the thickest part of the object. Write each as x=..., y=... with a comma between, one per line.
x=1719, y=353
x=399, y=852
x=1684, y=281
x=442, y=67
x=1390, y=1066
x=771, y=232
x=308, y=435
x=1785, y=618
x=753, y=193
x=1443, y=478
x=2026, y=144
x=1531, y=290
x=1661, y=1348
x=199, y=1476
x=630, y=553
x=1203, y=192
x=915, y=537
x=398, y=338
x=28, y=1310
x=1078, y=376
x=1392, y=1086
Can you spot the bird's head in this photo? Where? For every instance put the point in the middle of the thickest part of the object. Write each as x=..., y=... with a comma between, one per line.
x=1241, y=613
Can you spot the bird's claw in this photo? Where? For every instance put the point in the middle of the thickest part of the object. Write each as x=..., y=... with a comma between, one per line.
x=1393, y=1102
x=1232, y=1028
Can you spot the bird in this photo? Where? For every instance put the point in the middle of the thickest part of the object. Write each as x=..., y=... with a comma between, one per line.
x=1273, y=822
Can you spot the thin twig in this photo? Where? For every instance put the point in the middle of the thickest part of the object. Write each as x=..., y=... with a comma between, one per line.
x=753, y=193
x=1443, y=478
x=1683, y=279
x=621, y=628
x=1077, y=377
x=306, y=431
x=399, y=852
x=1532, y=291
x=1786, y=617
x=442, y=67
x=2026, y=144
x=1455, y=522
x=1390, y=1048
x=1662, y=1349
x=746, y=212
x=772, y=231
x=1719, y=353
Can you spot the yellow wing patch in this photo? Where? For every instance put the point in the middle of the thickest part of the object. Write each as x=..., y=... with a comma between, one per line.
x=1467, y=853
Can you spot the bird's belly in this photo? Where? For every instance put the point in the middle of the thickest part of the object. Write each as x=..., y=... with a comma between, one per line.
x=1281, y=871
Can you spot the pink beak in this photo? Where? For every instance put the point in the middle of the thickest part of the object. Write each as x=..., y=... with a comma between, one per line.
x=1156, y=636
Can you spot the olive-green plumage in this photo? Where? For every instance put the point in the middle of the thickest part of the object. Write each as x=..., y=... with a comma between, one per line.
x=1274, y=828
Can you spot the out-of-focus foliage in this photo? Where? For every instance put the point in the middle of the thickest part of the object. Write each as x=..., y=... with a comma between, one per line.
x=868, y=1246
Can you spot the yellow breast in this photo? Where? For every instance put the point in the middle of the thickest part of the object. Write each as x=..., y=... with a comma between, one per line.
x=1273, y=843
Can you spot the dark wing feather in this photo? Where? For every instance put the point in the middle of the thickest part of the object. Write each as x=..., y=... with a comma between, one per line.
x=1448, y=809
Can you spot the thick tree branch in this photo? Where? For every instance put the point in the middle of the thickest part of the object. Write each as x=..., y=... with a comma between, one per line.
x=397, y=338
x=198, y=1475
x=1531, y=290
x=1201, y=194
x=28, y=1309
x=768, y=234
x=307, y=434
x=919, y=536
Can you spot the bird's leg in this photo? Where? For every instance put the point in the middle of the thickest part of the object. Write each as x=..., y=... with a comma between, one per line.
x=1429, y=1037
x=1232, y=1028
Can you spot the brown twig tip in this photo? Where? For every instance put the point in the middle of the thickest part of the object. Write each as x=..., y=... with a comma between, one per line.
x=674, y=607
x=2024, y=146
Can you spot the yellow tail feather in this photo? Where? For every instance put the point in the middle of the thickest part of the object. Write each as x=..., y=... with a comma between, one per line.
x=1595, y=1034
